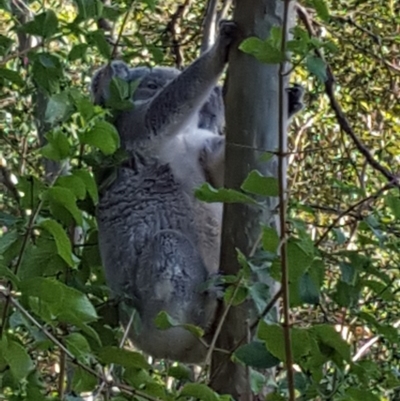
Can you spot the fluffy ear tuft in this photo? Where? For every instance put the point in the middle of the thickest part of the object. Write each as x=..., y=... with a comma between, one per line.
x=100, y=85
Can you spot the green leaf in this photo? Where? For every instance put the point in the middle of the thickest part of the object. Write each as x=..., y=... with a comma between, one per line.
x=98, y=39
x=57, y=148
x=327, y=335
x=256, y=355
x=349, y=274
x=272, y=335
x=16, y=357
x=322, y=9
x=8, y=274
x=240, y=295
x=393, y=202
x=264, y=51
x=41, y=259
x=83, y=381
x=258, y=381
x=8, y=220
x=258, y=184
x=259, y=293
x=180, y=372
x=65, y=303
x=381, y=290
x=359, y=394
x=73, y=183
x=47, y=71
x=58, y=108
x=199, y=392
x=346, y=295
x=89, y=182
x=84, y=106
x=121, y=93
x=78, y=52
x=317, y=66
x=164, y=321
x=298, y=259
x=7, y=240
x=308, y=290
x=63, y=197
x=88, y=9
x=5, y=44
x=103, y=136
x=123, y=357
x=270, y=239
x=12, y=76
x=44, y=25
x=207, y=193
x=78, y=346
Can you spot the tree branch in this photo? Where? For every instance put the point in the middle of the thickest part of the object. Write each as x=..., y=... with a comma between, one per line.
x=340, y=115
x=209, y=25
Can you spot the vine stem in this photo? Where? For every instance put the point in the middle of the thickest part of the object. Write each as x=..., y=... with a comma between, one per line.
x=282, y=178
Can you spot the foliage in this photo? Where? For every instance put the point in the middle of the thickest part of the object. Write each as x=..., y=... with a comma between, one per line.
x=343, y=250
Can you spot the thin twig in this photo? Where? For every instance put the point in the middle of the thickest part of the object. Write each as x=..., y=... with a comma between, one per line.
x=351, y=208
x=369, y=344
x=282, y=180
x=209, y=25
x=340, y=115
x=171, y=28
x=121, y=30
x=220, y=324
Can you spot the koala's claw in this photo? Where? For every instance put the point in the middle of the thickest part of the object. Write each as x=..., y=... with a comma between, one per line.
x=295, y=99
x=228, y=31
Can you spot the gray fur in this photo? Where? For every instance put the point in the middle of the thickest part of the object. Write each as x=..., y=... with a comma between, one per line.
x=158, y=243
x=211, y=115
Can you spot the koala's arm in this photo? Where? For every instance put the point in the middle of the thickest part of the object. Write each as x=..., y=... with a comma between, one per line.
x=183, y=97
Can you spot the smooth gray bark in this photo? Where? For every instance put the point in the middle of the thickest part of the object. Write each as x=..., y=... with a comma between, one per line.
x=252, y=128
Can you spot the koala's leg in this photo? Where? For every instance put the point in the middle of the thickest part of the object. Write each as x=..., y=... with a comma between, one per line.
x=169, y=278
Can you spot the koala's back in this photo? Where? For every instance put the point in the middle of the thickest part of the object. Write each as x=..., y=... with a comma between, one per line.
x=155, y=239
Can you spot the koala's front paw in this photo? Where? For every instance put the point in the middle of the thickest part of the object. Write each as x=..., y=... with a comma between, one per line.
x=228, y=32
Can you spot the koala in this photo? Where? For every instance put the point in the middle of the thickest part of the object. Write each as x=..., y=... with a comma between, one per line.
x=159, y=244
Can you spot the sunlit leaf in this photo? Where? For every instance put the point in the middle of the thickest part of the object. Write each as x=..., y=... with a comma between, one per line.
x=258, y=184
x=317, y=67
x=17, y=358
x=61, y=239
x=103, y=136
x=207, y=193
x=199, y=391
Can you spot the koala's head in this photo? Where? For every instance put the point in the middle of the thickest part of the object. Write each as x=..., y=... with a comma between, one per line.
x=152, y=81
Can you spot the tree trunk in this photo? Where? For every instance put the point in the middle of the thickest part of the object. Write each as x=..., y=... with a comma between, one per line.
x=252, y=100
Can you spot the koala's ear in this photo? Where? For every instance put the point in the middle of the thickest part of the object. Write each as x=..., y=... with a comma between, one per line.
x=100, y=84
x=212, y=159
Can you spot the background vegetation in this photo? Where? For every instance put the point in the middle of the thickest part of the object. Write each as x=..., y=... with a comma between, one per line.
x=344, y=204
